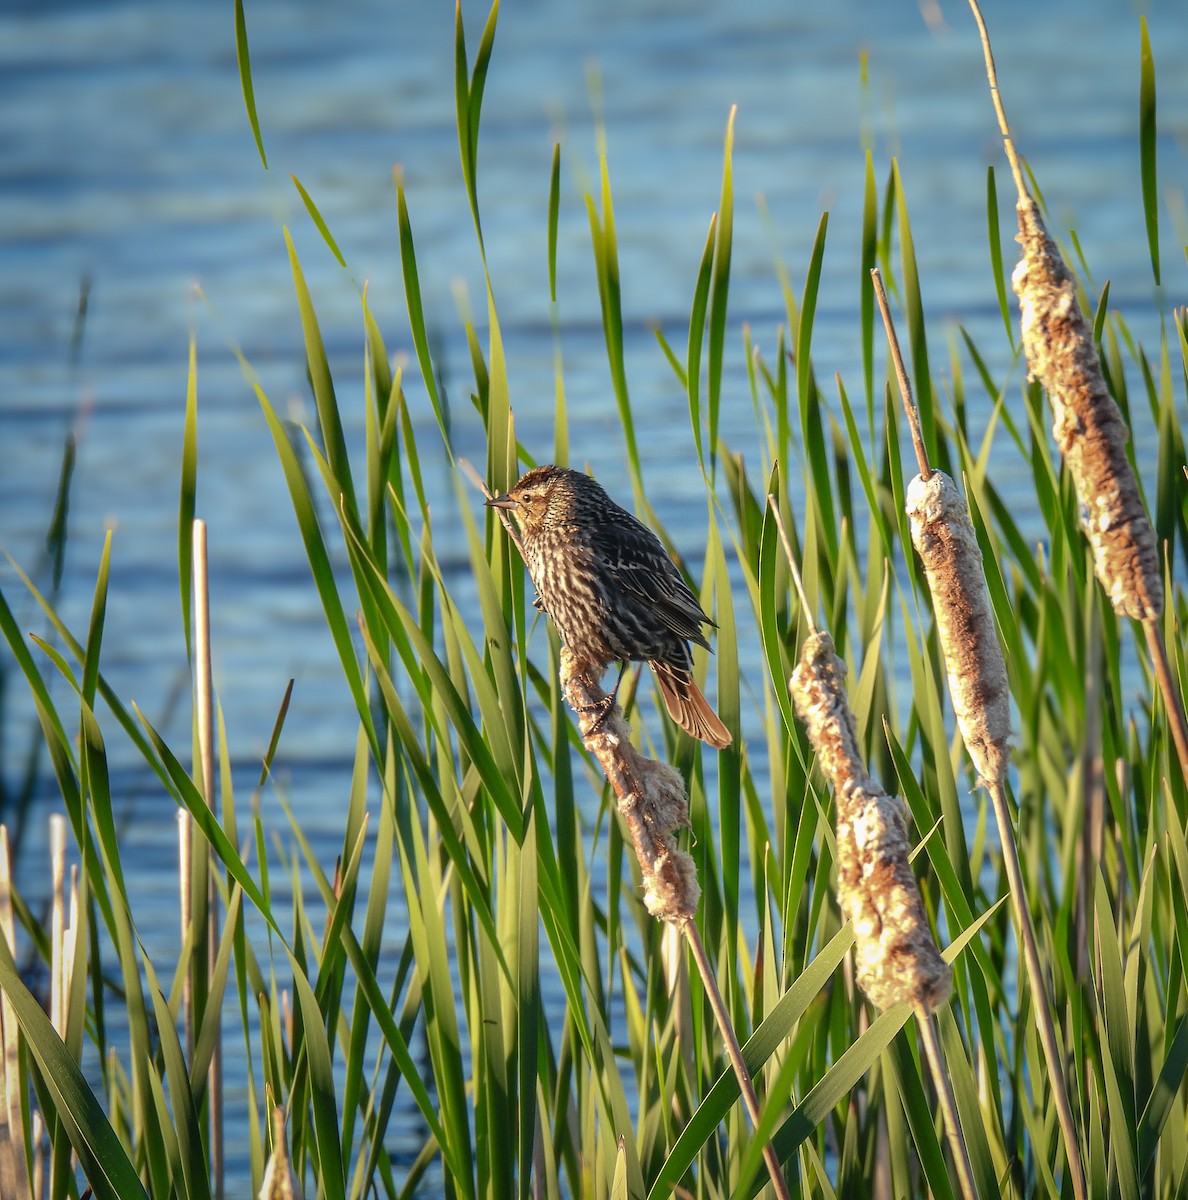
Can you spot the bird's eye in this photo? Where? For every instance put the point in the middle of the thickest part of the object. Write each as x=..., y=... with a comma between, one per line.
x=526, y=496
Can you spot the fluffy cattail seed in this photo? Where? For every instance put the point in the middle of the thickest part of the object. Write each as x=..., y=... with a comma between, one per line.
x=895, y=955
x=1087, y=424
x=945, y=541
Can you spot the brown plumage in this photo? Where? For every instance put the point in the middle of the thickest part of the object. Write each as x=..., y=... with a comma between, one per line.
x=611, y=588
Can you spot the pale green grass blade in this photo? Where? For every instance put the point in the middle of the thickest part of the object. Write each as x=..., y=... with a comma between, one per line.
x=329, y=421
x=554, y=218
x=195, y=1182
x=468, y=88
x=90, y=665
x=245, y=78
x=426, y=922
x=330, y=1173
x=416, y=317
x=529, y=1023
x=318, y=220
x=319, y=562
x=870, y=250
x=606, y=265
x=720, y=291
x=1159, y=1108
x=977, y=1120
x=836, y=1083
x=761, y=1045
x=691, y=375
x=994, y=240
x=101, y=1154
x=812, y=425
x=1117, y=1060
x=917, y=335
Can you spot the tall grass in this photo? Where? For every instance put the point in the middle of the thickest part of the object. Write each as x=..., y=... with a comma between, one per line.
x=472, y=799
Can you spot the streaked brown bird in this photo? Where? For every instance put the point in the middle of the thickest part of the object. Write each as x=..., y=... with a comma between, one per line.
x=611, y=588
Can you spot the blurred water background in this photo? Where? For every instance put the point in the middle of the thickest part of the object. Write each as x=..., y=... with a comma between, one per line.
x=127, y=167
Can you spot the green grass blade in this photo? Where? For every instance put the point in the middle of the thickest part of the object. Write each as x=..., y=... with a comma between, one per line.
x=323, y=385
x=245, y=78
x=1147, y=145
x=720, y=290
x=319, y=562
x=760, y=1046
x=416, y=317
x=101, y=1154
x=554, y=217
x=994, y=240
x=322, y=227
x=697, y=318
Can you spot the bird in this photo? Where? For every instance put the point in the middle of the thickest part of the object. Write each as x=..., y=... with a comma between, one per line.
x=611, y=589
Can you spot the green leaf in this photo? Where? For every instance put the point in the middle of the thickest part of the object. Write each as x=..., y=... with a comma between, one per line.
x=720, y=289
x=323, y=228
x=101, y=1155
x=245, y=78
x=1147, y=141
x=994, y=236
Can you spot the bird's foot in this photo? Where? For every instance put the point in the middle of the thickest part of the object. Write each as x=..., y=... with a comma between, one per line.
x=604, y=706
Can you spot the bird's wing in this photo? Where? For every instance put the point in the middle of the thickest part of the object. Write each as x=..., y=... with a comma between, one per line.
x=640, y=566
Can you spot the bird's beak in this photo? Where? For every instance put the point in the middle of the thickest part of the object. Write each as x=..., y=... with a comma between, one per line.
x=504, y=501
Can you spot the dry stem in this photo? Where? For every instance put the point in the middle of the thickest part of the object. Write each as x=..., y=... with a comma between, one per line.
x=204, y=711
x=14, y=1175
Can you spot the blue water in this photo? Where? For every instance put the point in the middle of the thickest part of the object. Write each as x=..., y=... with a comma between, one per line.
x=126, y=159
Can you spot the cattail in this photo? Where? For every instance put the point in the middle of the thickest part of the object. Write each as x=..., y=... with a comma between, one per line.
x=895, y=954
x=652, y=799
x=1087, y=424
x=945, y=541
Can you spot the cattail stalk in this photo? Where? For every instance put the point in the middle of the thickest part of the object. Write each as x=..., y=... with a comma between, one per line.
x=944, y=538
x=895, y=954
x=896, y=957
x=1087, y=424
x=654, y=808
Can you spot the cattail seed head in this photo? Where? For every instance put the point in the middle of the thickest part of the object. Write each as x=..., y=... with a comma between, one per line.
x=651, y=796
x=944, y=538
x=1087, y=424
x=896, y=956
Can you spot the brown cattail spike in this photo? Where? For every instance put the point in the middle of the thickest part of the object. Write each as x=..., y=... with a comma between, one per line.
x=651, y=795
x=1087, y=424
x=895, y=955
x=945, y=541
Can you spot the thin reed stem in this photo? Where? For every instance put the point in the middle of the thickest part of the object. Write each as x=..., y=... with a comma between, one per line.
x=996, y=98
x=734, y=1052
x=905, y=387
x=1035, y=974
x=204, y=712
x=948, y=1103
x=1167, y=686
x=962, y=593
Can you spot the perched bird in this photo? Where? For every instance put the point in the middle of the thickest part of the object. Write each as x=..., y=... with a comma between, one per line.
x=611, y=588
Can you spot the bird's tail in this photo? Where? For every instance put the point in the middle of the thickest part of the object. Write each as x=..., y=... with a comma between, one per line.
x=688, y=707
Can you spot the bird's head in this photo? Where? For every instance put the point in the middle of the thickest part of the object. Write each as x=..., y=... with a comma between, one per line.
x=544, y=496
